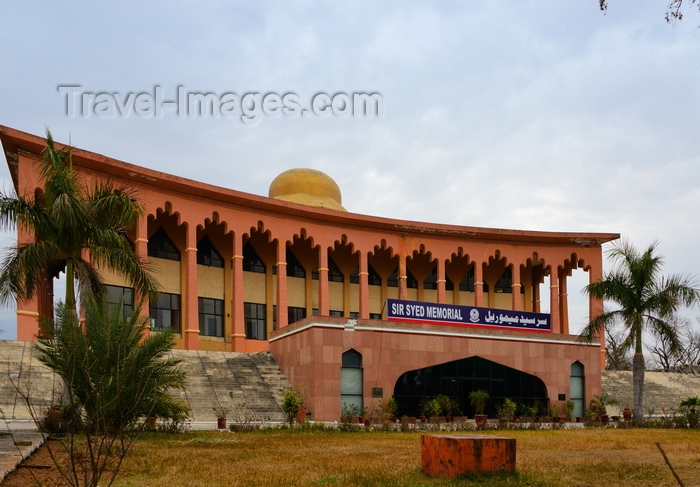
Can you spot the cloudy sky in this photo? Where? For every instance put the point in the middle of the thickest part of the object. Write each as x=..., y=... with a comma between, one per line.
x=526, y=114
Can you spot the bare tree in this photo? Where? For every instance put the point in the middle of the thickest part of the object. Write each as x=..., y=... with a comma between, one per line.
x=674, y=9
x=686, y=358
x=617, y=352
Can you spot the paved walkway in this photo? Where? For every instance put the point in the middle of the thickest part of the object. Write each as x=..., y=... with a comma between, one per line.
x=15, y=446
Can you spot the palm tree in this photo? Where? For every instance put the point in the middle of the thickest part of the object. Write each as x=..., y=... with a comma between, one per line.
x=115, y=375
x=75, y=229
x=647, y=300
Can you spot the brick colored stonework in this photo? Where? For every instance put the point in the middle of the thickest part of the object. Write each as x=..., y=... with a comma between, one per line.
x=455, y=455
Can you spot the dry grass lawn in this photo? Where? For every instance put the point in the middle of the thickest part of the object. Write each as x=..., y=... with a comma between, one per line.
x=307, y=458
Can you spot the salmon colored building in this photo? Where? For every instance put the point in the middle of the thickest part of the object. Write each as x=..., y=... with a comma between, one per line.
x=297, y=274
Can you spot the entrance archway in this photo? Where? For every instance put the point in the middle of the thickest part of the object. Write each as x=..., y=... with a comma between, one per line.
x=458, y=378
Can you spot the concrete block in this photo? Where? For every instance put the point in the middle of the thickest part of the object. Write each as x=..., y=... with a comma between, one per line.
x=455, y=455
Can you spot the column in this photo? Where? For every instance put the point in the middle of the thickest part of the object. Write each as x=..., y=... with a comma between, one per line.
x=364, y=286
x=190, y=289
x=403, y=278
x=323, y=306
x=27, y=311
x=564, y=303
x=535, y=290
x=478, y=284
x=237, y=306
x=441, y=281
x=515, y=287
x=554, y=299
x=281, y=284
x=595, y=306
x=141, y=247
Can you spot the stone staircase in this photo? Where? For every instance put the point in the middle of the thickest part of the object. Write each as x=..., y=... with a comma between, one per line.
x=21, y=371
x=250, y=385
x=662, y=390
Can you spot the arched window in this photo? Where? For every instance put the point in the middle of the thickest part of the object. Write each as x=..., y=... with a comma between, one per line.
x=351, y=383
x=456, y=379
x=208, y=255
x=160, y=246
x=577, y=384
x=251, y=260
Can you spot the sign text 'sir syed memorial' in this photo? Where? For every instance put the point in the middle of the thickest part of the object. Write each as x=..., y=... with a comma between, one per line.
x=450, y=314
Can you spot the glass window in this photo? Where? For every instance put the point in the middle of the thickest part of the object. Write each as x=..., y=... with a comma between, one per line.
x=208, y=255
x=294, y=267
x=211, y=317
x=504, y=283
x=355, y=276
x=160, y=246
x=467, y=283
x=165, y=312
x=375, y=316
x=577, y=383
x=120, y=296
x=374, y=279
x=352, y=358
x=411, y=282
x=431, y=281
x=351, y=389
x=393, y=279
x=254, y=317
x=295, y=314
x=334, y=274
x=335, y=312
x=251, y=260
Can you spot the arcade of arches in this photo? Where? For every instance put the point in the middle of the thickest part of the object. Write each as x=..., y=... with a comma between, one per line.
x=248, y=273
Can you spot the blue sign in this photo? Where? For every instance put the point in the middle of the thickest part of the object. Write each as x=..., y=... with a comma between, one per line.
x=450, y=314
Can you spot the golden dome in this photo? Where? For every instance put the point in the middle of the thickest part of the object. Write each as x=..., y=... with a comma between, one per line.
x=307, y=187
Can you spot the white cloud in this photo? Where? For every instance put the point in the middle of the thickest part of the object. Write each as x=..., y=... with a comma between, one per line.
x=516, y=114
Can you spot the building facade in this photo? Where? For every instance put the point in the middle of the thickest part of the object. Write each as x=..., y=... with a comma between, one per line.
x=296, y=274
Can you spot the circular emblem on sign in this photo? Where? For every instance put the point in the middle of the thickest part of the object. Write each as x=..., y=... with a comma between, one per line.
x=474, y=315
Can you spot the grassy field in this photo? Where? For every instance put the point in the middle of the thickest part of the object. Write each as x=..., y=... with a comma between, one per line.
x=583, y=457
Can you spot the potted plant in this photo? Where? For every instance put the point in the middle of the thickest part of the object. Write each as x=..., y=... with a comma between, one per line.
x=478, y=400
x=598, y=407
x=221, y=412
x=389, y=409
x=626, y=411
x=448, y=406
x=529, y=413
x=506, y=411
x=433, y=409
x=570, y=406
x=554, y=410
